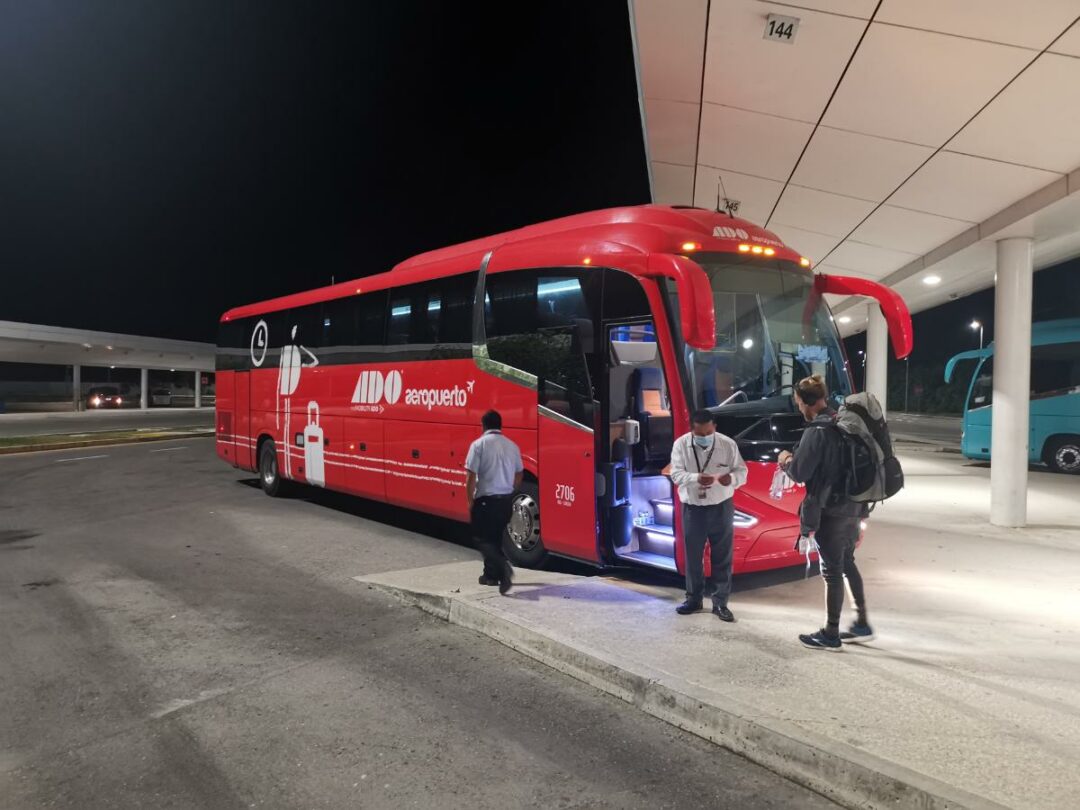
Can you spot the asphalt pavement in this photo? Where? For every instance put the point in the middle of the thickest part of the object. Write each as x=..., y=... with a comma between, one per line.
x=70, y=422
x=174, y=638
x=928, y=428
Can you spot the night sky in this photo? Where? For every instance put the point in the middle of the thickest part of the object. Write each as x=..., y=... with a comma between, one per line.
x=161, y=162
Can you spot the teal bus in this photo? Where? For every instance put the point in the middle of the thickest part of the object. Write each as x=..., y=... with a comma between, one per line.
x=1054, y=425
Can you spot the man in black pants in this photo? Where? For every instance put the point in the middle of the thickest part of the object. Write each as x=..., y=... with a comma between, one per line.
x=493, y=473
x=828, y=515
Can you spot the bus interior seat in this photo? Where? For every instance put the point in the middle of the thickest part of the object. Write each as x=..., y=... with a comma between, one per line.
x=651, y=410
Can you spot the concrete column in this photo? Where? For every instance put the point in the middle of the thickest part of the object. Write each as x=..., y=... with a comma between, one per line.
x=877, y=355
x=144, y=388
x=1012, y=383
x=76, y=387
x=198, y=389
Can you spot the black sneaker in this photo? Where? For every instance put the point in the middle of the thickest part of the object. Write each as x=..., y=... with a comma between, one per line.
x=858, y=634
x=821, y=641
x=485, y=580
x=722, y=613
x=507, y=578
x=688, y=607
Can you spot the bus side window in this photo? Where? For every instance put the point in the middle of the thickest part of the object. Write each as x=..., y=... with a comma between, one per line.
x=233, y=348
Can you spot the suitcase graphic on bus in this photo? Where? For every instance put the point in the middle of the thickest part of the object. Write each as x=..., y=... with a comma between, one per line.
x=314, y=464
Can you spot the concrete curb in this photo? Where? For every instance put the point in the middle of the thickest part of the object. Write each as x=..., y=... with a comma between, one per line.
x=75, y=445
x=849, y=776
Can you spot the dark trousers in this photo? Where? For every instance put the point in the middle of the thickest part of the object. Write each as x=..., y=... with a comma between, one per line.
x=490, y=515
x=836, y=537
x=714, y=525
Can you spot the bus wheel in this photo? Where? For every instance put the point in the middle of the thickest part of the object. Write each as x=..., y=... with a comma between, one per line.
x=269, y=475
x=1063, y=455
x=521, y=540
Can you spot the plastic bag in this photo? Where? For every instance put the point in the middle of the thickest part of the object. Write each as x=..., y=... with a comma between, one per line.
x=781, y=483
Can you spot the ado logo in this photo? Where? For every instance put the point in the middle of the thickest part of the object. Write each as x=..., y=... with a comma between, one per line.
x=564, y=494
x=725, y=232
x=374, y=387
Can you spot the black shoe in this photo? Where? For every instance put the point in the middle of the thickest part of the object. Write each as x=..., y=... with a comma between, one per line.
x=857, y=634
x=688, y=607
x=822, y=641
x=486, y=580
x=722, y=613
x=507, y=579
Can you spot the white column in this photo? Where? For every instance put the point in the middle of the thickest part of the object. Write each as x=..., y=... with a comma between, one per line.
x=1012, y=383
x=144, y=386
x=877, y=355
x=198, y=389
x=76, y=387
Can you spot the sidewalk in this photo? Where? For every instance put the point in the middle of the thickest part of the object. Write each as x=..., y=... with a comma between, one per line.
x=970, y=697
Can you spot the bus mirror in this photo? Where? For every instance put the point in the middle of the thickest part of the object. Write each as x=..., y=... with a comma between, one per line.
x=632, y=431
x=892, y=306
x=696, y=313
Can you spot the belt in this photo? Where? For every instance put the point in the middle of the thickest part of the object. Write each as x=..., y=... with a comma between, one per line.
x=495, y=497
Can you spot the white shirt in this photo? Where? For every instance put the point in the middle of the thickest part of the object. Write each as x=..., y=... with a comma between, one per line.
x=724, y=458
x=494, y=460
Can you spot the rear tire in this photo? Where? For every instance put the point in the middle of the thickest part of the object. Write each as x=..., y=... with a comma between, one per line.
x=1063, y=455
x=269, y=475
x=521, y=540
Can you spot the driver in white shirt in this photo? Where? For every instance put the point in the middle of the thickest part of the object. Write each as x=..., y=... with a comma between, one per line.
x=707, y=468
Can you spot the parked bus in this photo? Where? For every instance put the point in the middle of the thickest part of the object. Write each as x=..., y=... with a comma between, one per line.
x=594, y=335
x=1054, y=418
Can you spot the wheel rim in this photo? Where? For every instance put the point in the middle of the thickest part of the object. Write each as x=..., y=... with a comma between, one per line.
x=524, y=527
x=1067, y=458
x=269, y=466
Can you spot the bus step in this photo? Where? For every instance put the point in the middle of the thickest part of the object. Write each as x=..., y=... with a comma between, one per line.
x=663, y=509
x=663, y=561
x=656, y=538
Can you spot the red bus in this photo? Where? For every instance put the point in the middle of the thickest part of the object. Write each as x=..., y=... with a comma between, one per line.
x=594, y=335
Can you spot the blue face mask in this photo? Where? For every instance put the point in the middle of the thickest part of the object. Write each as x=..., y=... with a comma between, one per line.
x=704, y=442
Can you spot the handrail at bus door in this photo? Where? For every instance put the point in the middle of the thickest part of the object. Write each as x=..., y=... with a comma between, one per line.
x=896, y=313
x=696, y=313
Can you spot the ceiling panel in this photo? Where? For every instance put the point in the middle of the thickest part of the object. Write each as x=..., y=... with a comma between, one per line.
x=857, y=165
x=672, y=185
x=851, y=8
x=751, y=143
x=910, y=231
x=868, y=260
x=790, y=80
x=968, y=188
x=672, y=131
x=756, y=195
x=920, y=87
x=670, y=41
x=1069, y=44
x=819, y=211
x=806, y=243
x=1034, y=121
x=1032, y=24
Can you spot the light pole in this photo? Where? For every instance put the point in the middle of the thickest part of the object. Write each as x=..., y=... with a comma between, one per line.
x=979, y=326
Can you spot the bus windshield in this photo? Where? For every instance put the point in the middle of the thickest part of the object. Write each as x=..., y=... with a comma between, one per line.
x=771, y=331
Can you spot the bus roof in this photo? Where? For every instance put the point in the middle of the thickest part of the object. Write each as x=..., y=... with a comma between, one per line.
x=1043, y=333
x=615, y=234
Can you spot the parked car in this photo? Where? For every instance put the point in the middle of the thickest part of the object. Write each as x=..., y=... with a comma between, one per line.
x=161, y=396
x=105, y=396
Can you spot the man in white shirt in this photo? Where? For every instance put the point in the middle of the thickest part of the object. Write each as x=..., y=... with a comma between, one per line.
x=707, y=468
x=493, y=473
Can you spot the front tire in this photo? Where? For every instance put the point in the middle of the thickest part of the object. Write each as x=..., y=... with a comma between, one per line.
x=269, y=474
x=1063, y=455
x=521, y=539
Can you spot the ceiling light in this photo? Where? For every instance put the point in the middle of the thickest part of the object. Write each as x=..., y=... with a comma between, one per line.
x=845, y=319
x=748, y=343
x=930, y=281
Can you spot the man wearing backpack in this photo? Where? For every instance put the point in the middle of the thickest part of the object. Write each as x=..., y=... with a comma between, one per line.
x=827, y=514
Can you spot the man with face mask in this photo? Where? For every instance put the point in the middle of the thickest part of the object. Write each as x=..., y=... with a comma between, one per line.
x=707, y=468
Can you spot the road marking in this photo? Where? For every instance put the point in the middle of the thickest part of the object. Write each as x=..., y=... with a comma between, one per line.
x=79, y=458
x=167, y=449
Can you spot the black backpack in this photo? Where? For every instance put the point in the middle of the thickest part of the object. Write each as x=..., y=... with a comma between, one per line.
x=871, y=471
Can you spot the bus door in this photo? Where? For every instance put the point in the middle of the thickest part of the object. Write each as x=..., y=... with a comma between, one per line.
x=241, y=421
x=566, y=442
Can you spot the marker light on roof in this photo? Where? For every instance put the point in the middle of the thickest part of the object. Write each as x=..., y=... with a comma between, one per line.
x=689, y=246
x=744, y=248
x=769, y=251
x=758, y=249
x=805, y=262
x=586, y=260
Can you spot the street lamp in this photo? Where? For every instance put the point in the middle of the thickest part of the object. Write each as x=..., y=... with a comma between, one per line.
x=976, y=325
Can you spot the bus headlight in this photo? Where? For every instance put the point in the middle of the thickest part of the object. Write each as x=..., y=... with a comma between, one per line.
x=744, y=521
